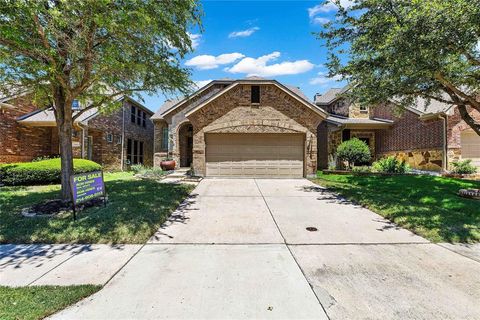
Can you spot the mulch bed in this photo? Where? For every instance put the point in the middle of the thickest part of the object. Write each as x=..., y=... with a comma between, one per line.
x=49, y=208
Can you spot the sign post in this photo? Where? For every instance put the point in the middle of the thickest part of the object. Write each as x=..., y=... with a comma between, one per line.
x=85, y=187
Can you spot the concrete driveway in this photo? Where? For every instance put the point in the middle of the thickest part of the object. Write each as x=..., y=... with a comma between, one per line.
x=239, y=248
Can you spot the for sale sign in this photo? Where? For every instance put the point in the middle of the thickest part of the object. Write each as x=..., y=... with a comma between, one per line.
x=87, y=186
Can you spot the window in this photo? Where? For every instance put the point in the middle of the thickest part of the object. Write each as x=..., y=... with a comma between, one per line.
x=138, y=116
x=363, y=109
x=165, y=138
x=134, y=151
x=255, y=97
x=119, y=139
x=133, y=114
x=109, y=137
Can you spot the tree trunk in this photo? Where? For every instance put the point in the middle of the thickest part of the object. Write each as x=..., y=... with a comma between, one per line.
x=66, y=155
x=63, y=117
x=469, y=119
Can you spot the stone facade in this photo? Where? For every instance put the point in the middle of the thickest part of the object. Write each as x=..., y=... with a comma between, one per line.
x=430, y=160
x=21, y=143
x=232, y=112
x=174, y=121
x=356, y=112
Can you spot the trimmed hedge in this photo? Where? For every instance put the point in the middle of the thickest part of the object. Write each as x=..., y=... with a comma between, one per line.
x=40, y=172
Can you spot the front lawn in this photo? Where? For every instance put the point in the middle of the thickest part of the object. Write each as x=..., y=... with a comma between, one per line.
x=136, y=209
x=426, y=205
x=39, y=302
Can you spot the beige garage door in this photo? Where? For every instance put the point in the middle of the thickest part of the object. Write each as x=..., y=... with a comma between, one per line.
x=254, y=155
x=471, y=146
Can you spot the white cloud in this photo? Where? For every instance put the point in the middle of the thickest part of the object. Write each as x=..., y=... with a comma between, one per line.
x=328, y=7
x=243, y=33
x=320, y=20
x=324, y=80
x=259, y=67
x=201, y=83
x=195, y=38
x=205, y=62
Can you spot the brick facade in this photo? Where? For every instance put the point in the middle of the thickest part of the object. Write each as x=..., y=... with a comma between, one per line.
x=277, y=112
x=109, y=154
x=232, y=112
x=21, y=143
x=408, y=132
x=419, y=142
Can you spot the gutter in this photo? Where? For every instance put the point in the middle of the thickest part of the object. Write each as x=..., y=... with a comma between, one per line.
x=82, y=144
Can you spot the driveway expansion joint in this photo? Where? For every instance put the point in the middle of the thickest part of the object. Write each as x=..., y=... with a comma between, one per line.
x=291, y=253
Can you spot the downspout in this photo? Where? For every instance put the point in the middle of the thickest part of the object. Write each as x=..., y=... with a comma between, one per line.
x=445, y=146
x=122, y=155
x=82, y=144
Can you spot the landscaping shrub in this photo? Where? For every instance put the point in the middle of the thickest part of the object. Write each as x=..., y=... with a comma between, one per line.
x=354, y=151
x=147, y=172
x=391, y=165
x=40, y=172
x=362, y=169
x=464, y=167
x=138, y=168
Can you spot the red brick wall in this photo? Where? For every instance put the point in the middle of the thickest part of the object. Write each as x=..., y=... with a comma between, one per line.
x=21, y=143
x=408, y=132
x=109, y=153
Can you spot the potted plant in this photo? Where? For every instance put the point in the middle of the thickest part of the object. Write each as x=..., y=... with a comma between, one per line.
x=168, y=164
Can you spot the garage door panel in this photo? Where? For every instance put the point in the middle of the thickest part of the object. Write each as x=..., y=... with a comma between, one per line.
x=254, y=155
x=471, y=147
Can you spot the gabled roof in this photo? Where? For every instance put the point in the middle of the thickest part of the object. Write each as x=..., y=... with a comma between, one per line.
x=420, y=106
x=46, y=118
x=328, y=97
x=294, y=92
x=171, y=105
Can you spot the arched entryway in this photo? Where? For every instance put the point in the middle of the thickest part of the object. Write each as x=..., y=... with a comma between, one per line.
x=185, y=139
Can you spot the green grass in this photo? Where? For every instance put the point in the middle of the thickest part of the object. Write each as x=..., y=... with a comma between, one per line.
x=135, y=210
x=39, y=302
x=426, y=205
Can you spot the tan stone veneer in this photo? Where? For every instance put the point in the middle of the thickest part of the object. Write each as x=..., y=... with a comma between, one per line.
x=425, y=159
x=232, y=112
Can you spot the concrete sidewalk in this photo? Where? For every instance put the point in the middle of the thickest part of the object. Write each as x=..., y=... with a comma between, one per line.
x=61, y=264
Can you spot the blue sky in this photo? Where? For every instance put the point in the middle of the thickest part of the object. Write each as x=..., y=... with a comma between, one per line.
x=272, y=39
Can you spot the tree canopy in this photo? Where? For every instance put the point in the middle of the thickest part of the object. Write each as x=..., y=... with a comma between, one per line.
x=94, y=51
x=397, y=50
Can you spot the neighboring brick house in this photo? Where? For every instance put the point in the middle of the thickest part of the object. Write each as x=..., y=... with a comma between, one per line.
x=426, y=136
x=28, y=132
x=249, y=128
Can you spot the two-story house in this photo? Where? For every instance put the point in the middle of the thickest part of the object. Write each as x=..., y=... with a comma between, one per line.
x=428, y=136
x=114, y=140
